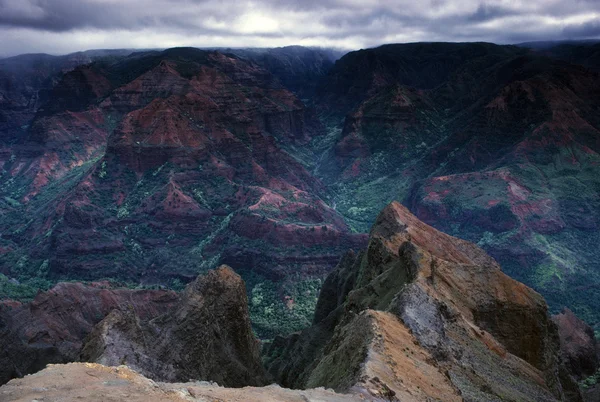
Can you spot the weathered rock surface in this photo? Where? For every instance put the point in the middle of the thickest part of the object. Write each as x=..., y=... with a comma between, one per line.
x=51, y=328
x=161, y=165
x=421, y=315
x=578, y=345
x=207, y=336
x=96, y=383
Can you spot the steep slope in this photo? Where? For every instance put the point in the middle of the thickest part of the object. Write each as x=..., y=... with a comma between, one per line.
x=153, y=167
x=362, y=74
x=26, y=82
x=417, y=316
x=579, y=347
x=585, y=53
x=420, y=315
x=207, y=336
x=298, y=68
x=522, y=182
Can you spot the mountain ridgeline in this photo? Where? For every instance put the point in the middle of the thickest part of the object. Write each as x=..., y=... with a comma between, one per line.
x=148, y=168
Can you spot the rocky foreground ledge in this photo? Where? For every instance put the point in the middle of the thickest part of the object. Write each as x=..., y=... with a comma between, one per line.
x=94, y=383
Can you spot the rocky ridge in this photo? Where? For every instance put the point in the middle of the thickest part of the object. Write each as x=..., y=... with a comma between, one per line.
x=203, y=334
x=275, y=157
x=207, y=336
x=484, y=142
x=420, y=314
x=153, y=167
x=51, y=328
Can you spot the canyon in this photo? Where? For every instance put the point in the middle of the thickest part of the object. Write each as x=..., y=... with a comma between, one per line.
x=127, y=174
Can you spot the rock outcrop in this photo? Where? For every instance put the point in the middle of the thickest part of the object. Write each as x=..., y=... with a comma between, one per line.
x=578, y=345
x=497, y=145
x=417, y=316
x=204, y=334
x=96, y=383
x=207, y=336
x=421, y=315
x=51, y=328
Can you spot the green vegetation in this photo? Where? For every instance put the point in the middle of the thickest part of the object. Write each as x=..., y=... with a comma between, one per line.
x=281, y=310
x=102, y=173
x=360, y=201
x=390, y=152
x=22, y=291
x=591, y=380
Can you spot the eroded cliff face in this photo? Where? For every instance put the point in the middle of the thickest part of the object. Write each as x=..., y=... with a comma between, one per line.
x=580, y=352
x=207, y=336
x=497, y=145
x=161, y=165
x=420, y=315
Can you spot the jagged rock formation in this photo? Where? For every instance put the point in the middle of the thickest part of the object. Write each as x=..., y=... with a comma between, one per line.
x=417, y=316
x=51, y=328
x=96, y=383
x=421, y=315
x=204, y=334
x=580, y=352
x=207, y=336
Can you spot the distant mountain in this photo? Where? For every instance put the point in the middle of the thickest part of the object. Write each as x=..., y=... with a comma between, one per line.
x=25, y=80
x=541, y=45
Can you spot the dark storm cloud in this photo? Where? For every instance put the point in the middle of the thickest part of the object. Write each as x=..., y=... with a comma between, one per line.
x=57, y=15
x=486, y=12
x=589, y=29
x=66, y=15
x=68, y=25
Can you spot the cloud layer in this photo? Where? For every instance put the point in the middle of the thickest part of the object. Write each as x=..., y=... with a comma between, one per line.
x=61, y=26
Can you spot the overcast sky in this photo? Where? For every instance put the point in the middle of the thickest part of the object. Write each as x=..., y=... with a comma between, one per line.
x=63, y=26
